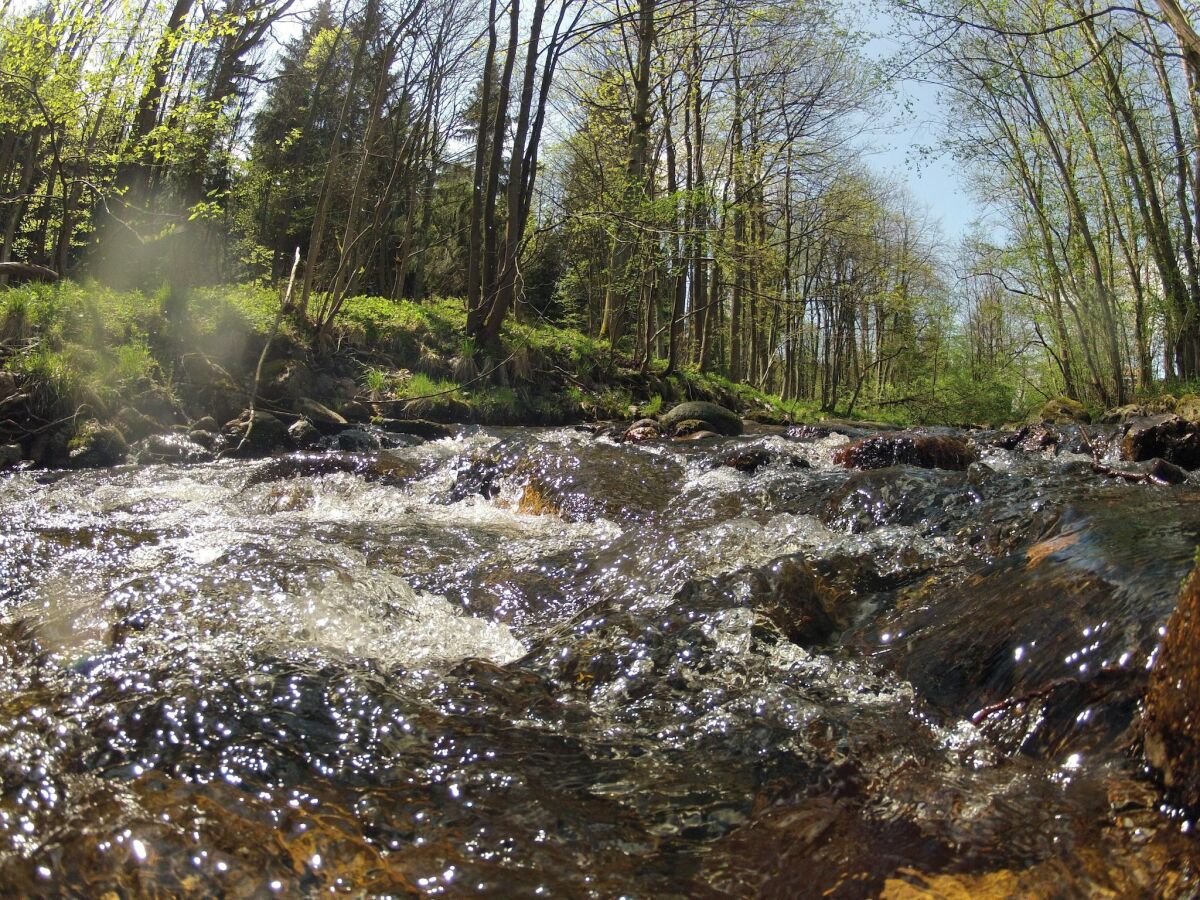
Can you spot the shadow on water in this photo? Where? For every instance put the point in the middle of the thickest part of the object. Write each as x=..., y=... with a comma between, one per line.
x=540, y=663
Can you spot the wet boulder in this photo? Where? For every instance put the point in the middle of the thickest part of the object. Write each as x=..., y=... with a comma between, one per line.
x=322, y=417
x=1048, y=646
x=716, y=417
x=641, y=430
x=206, y=423
x=260, y=434
x=421, y=428
x=580, y=482
x=1154, y=471
x=1062, y=410
x=1171, y=719
x=788, y=592
x=96, y=445
x=753, y=457
x=306, y=465
x=304, y=434
x=356, y=440
x=922, y=451
x=1166, y=436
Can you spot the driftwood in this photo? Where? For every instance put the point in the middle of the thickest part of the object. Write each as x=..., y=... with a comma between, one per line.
x=27, y=271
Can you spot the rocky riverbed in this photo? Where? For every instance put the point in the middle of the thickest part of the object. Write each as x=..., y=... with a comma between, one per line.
x=826, y=660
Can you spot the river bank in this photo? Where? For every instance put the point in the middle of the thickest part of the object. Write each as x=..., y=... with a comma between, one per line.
x=86, y=372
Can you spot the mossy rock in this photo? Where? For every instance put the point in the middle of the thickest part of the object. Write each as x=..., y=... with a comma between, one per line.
x=96, y=445
x=719, y=418
x=1064, y=410
x=1188, y=407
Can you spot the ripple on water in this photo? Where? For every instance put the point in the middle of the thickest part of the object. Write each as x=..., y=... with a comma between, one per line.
x=526, y=661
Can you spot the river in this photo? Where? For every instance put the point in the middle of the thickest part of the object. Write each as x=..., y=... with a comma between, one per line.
x=537, y=662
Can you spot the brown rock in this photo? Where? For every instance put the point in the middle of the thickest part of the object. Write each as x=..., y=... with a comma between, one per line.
x=1167, y=436
x=1171, y=720
x=923, y=451
x=354, y=411
x=641, y=430
x=422, y=428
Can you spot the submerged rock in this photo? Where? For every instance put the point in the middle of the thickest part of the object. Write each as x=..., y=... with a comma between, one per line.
x=923, y=451
x=170, y=448
x=1171, y=720
x=306, y=465
x=1168, y=436
x=716, y=417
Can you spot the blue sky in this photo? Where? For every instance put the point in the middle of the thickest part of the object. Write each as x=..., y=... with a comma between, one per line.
x=895, y=143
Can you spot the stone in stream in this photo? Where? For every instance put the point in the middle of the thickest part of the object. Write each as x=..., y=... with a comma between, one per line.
x=1171, y=719
x=692, y=429
x=421, y=428
x=1062, y=410
x=1167, y=436
x=268, y=435
x=304, y=434
x=355, y=440
x=321, y=416
x=641, y=430
x=579, y=482
x=751, y=459
x=787, y=591
x=354, y=411
x=96, y=446
x=1046, y=649
x=716, y=417
x=923, y=451
x=307, y=465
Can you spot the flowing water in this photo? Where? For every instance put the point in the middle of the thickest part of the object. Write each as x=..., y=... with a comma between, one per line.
x=540, y=663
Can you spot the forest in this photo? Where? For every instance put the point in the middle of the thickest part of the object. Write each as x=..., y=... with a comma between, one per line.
x=683, y=182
